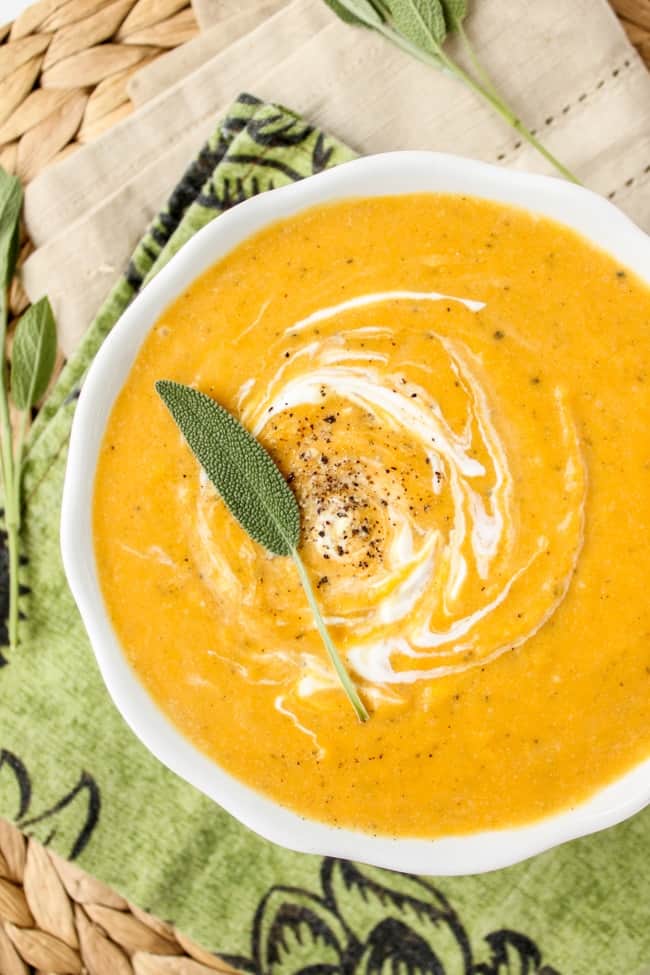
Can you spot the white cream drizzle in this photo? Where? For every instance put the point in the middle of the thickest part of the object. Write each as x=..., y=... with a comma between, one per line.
x=376, y=297
x=280, y=706
x=154, y=554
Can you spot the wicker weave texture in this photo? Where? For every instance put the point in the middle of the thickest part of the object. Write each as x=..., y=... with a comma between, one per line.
x=56, y=919
x=64, y=68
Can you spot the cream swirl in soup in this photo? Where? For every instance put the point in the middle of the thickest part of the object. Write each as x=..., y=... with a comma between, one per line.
x=458, y=394
x=409, y=497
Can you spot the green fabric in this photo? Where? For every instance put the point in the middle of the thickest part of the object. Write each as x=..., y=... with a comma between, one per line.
x=72, y=774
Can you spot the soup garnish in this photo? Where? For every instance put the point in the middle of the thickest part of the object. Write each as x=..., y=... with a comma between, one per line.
x=253, y=489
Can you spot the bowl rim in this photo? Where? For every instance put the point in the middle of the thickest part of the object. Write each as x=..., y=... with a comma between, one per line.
x=393, y=173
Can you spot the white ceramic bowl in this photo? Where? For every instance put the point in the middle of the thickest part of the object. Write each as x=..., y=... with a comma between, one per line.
x=391, y=173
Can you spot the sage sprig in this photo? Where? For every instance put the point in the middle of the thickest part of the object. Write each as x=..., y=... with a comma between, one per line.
x=253, y=489
x=420, y=27
x=32, y=363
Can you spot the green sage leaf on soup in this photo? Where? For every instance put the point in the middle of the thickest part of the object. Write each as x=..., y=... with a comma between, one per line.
x=242, y=471
x=33, y=355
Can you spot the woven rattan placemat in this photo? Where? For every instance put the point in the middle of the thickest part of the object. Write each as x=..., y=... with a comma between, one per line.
x=64, y=68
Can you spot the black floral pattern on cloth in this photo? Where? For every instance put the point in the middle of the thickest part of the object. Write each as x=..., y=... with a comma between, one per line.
x=366, y=923
x=70, y=820
x=267, y=131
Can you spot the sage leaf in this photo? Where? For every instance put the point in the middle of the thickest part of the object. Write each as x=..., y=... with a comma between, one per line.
x=11, y=201
x=242, y=471
x=455, y=12
x=253, y=489
x=358, y=12
x=33, y=355
x=422, y=22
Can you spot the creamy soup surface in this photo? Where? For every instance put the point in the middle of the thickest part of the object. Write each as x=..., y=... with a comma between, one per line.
x=458, y=393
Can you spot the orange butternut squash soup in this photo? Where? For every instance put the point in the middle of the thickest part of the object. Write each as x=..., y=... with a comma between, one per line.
x=458, y=393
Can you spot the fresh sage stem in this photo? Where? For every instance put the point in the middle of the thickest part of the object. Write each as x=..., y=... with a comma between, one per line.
x=485, y=90
x=480, y=70
x=491, y=95
x=342, y=673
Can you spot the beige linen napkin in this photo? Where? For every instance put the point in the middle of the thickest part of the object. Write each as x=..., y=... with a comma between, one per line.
x=210, y=12
x=165, y=71
x=567, y=68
